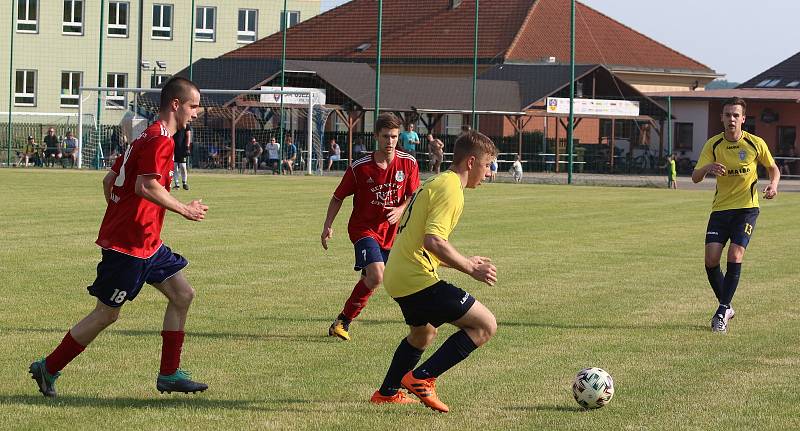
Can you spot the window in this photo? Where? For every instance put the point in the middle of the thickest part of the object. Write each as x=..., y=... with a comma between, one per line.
x=117, y=19
x=684, y=135
x=204, y=23
x=786, y=138
x=793, y=84
x=162, y=21
x=156, y=80
x=70, y=83
x=25, y=90
x=769, y=82
x=73, y=17
x=452, y=124
x=27, y=16
x=248, y=19
x=749, y=125
x=116, y=99
x=293, y=18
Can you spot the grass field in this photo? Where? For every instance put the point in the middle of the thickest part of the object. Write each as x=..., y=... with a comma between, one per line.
x=589, y=276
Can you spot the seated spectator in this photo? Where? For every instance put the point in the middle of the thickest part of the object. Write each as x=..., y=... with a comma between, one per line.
x=334, y=153
x=52, y=147
x=252, y=151
x=274, y=155
x=785, y=165
x=359, y=150
x=27, y=153
x=70, y=150
x=287, y=166
x=214, y=156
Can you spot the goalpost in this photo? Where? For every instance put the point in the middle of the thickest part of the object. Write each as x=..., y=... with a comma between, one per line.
x=226, y=119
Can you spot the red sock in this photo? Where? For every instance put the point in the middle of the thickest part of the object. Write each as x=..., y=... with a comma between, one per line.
x=357, y=300
x=68, y=350
x=171, y=351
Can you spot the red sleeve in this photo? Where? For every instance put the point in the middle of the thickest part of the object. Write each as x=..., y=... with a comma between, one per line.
x=348, y=185
x=154, y=154
x=413, y=180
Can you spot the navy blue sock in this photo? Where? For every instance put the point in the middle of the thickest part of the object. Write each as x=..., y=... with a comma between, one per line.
x=715, y=279
x=405, y=358
x=730, y=283
x=454, y=350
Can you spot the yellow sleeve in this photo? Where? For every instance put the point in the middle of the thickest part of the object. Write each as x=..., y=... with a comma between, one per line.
x=706, y=155
x=444, y=210
x=764, y=156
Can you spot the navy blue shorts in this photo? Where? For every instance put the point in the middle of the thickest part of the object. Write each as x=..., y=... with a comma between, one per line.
x=438, y=304
x=735, y=225
x=120, y=277
x=368, y=251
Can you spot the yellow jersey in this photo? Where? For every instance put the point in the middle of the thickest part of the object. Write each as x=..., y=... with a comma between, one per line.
x=737, y=188
x=434, y=209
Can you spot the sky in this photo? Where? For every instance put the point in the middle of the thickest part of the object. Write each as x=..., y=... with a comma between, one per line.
x=736, y=38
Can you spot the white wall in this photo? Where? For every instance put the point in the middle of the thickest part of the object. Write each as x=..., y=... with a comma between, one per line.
x=689, y=111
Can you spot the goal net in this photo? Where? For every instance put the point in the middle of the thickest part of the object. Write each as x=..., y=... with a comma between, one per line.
x=225, y=123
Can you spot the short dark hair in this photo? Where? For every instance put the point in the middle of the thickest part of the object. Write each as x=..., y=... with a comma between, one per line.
x=736, y=101
x=177, y=88
x=387, y=120
x=473, y=143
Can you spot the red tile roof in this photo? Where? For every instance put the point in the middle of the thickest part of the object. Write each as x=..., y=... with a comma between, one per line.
x=509, y=31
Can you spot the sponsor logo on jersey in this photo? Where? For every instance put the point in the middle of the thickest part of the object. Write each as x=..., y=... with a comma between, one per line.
x=740, y=171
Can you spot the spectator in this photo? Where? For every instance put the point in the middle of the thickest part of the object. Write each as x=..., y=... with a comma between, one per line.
x=27, y=153
x=671, y=172
x=214, y=156
x=52, y=150
x=409, y=140
x=516, y=169
x=359, y=150
x=70, y=151
x=435, y=153
x=183, y=147
x=252, y=151
x=334, y=153
x=785, y=164
x=273, y=155
x=493, y=169
x=291, y=155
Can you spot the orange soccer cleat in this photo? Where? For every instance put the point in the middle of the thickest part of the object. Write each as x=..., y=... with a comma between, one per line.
x=399, y=398
x=425, y=389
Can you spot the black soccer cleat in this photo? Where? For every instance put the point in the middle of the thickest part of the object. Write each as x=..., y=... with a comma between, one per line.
x=45, y=380
x=179, y=382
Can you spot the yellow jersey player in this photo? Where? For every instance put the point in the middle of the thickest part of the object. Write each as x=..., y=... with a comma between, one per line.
x=733, y=157
x=426, y=301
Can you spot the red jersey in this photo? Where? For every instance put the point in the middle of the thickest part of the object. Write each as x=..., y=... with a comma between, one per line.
x=132, y=224
x=374, y=191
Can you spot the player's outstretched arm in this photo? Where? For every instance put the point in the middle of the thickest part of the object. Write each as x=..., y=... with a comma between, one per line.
x=478, y=267
x=774, y=178
x=715, y=168
x=147, y=186
x=327, y=229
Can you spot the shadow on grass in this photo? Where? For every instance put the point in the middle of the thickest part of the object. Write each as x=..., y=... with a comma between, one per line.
x=546, y=407
x=163, y=402
x=202, y=334
x=558, y=325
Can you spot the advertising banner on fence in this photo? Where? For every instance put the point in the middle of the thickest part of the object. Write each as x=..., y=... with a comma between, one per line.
x=599, y=107
x=293, y=99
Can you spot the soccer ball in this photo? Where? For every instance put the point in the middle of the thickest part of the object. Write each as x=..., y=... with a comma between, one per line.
x=593, y=388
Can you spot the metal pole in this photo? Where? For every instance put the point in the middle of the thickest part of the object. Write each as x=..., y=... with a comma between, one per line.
x=191, y=44
x=475, y=66
x=10, y=86
x=99, y=95
x=669, y=124
x=284, y=29
x=570, y=129
x=139, y=46
x=378, y=65
x=310, y=125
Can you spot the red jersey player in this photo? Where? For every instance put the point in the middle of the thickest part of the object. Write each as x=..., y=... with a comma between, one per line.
x=137, y=193
x=381, y=184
